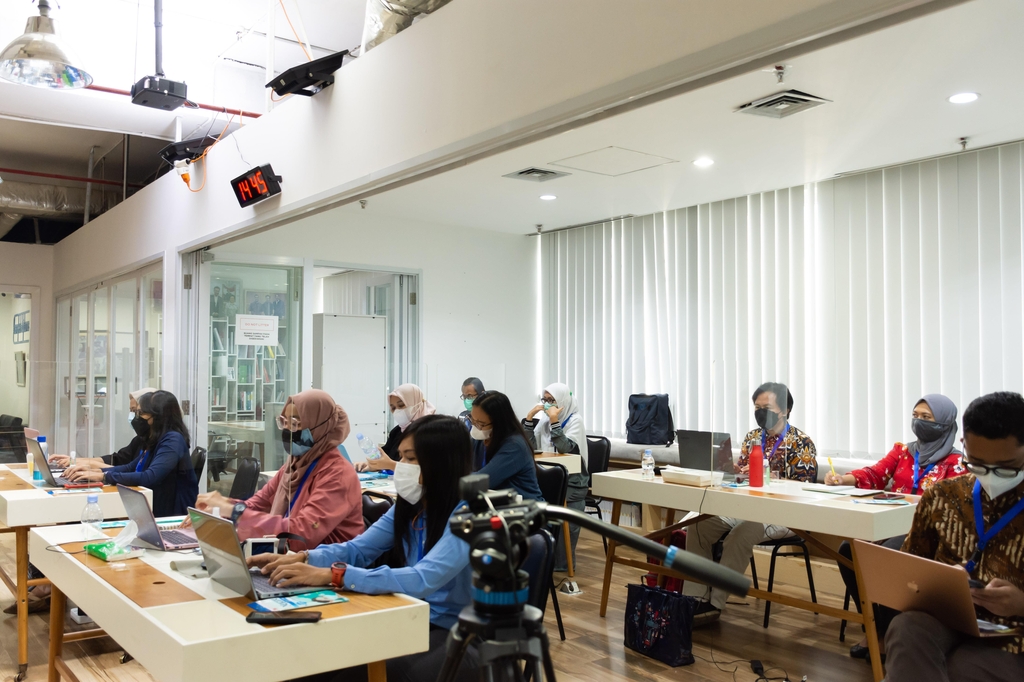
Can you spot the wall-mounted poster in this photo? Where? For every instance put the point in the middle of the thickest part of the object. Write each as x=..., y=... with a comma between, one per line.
x=21, y=323
x=225, y=298
x=266, y=303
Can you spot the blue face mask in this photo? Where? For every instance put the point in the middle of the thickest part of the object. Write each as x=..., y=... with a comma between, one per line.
x=297, y=446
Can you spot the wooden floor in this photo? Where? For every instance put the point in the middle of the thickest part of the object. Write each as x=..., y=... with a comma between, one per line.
x=798, y=642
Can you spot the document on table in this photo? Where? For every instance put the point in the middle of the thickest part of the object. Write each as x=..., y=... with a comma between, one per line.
x=852, y=491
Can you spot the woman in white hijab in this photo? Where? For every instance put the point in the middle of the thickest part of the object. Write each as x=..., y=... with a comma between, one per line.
x=407, y=404
x=556, y=425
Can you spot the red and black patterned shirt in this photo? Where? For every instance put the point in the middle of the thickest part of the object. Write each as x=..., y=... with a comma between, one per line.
x=898, y=467
x=794, y=459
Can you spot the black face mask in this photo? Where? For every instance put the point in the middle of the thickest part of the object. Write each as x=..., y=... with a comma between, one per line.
x=926, y=431
x=141, y=426
x=766, y=419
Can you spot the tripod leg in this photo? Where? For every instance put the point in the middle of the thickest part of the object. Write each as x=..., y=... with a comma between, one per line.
x=545, y=649
x=455, y=647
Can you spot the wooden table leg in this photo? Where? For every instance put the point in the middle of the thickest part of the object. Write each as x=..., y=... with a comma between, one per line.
x=21, y=552
x=567, y=541
x=867, y=610
x=609, y=561
x=57, y=604
x=375, y=672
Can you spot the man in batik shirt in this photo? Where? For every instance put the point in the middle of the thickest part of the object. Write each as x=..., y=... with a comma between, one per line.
x=791, y=454
x=946, y=529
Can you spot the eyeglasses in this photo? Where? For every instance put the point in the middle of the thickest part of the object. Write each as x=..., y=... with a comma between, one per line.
x=283, y=422
x=983, y=469
x=480, y=425
x=468, y=397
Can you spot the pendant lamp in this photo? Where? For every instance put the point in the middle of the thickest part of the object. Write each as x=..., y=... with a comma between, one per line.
x=37, y=58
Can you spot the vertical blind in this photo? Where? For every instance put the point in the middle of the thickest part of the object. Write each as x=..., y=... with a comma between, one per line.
x=861, y=293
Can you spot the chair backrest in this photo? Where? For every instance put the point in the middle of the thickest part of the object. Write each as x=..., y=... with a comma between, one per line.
x=198, y=461
x=375, y=506
x=553, y=480
x=246, y=477
x=539, y=563
x=599, y=451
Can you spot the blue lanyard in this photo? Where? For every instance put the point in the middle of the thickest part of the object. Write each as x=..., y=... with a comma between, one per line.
x=419, y=537
x=302, y=482
x=764, y=442
x=979, y=524
x=562, y=425
x=922, y=474
x=142, y=463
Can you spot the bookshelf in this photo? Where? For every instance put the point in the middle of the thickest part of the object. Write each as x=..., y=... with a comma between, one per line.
x=244, y=378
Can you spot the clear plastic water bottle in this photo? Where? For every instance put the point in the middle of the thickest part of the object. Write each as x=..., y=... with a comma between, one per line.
x=92, y=518
x=647, y=464
x=37, y=475
x=72, y=458
x=368, y=447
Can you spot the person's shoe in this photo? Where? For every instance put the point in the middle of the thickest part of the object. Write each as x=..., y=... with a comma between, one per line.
x=858, y=651
x=39, y=605
x=705, y=614
x=13, y=608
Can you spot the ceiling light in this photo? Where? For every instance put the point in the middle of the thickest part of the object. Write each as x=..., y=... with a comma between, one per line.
x=548, y=197
x=963, y=97
x=37, y=57
x=704, y=162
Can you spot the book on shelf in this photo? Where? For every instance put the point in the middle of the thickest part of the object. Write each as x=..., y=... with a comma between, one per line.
x=266, y=375
x=218, y=344
x=280, y=396
x=269, y=352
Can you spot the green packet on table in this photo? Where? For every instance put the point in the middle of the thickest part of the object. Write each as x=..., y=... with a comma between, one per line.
x=297, y=601
x=109, y=551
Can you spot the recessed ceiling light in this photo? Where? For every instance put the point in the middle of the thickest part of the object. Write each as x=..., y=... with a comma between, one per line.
x=704, y=162
x=548, y=197
x=963, y=97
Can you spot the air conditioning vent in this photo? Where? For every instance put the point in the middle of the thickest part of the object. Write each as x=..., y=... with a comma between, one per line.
x=536, y=174
x=782, y=104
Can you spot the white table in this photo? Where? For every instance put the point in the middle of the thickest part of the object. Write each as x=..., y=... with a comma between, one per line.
x=782, y=503
x=572, y=463
x=22, y=506
x=206, y=639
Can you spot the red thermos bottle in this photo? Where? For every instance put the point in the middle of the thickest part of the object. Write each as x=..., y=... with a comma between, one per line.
x=756, y=462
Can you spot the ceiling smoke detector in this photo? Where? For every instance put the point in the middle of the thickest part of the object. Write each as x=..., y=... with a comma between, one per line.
x=536, y=174
x=782, y=104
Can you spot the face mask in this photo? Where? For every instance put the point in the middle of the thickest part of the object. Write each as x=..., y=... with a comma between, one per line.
x=402, y=418
x=766, y=419
x=297, y=445
x=996, y=486
x=141, y=426
x=479, y=434
x=468, y=402
x=547, y=406
x=407, y=482
x=131, y=417
x=927, y=431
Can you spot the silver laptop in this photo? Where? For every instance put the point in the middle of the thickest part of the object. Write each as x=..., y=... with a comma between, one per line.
x=137, y=507
x=225, y=561
x=52, y=477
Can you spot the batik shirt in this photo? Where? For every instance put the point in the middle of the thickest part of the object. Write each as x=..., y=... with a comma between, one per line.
x=794, y=459
x=898, y=467
x=943, y=530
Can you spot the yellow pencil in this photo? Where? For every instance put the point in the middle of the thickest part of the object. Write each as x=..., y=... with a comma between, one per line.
x=831, y=467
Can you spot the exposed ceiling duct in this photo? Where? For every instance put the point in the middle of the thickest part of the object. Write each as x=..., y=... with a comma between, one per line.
x=388, y=18
x=29, y=199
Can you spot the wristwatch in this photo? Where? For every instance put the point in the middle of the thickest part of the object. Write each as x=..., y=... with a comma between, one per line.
x=237, y=511
x=338, y=574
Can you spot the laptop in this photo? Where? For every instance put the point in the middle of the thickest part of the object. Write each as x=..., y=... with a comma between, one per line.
x=52, y=478
x=706, y=451
x=225, y=561
x=137, y=507
x=907, y=582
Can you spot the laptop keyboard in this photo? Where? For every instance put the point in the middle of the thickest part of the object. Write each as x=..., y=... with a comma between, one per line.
x=261, y=584
x=177, y=538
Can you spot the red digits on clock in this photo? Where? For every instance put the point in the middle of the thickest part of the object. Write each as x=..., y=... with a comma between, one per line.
x=259, y=183
x=243, y=189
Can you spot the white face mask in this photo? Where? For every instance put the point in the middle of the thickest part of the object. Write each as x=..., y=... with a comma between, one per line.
x=131, y=417
x=479, y=434
x=401, y=418
x=407, y=482
x=996, y=486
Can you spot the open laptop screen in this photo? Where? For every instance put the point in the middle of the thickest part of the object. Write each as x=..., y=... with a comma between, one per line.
x=225, y=561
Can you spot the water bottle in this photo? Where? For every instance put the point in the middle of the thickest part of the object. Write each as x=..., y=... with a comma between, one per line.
x=72, y=458
x=37, y=476
x=368, y=447
x=767, y=472
x=92, y=518
x=647, y=463
x=30, y=462
x=757, y=468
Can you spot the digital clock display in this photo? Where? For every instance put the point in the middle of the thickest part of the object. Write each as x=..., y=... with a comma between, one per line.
x=256, y=185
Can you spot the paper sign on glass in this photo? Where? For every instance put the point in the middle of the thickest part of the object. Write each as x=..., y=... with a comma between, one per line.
x=256, y=330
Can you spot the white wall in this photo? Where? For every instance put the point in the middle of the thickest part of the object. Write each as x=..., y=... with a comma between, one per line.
x=14, y=399
x=29, y=268
x=477, y=291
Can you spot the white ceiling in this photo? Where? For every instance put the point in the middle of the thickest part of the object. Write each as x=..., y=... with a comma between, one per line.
x=888, y=93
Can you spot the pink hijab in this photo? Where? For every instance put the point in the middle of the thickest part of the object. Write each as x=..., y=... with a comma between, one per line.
x=415, y=404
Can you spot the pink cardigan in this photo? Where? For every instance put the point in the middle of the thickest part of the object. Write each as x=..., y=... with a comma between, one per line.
x=329, y=508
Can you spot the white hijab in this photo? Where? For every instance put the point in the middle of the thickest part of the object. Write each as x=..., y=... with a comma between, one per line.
x=569, y=417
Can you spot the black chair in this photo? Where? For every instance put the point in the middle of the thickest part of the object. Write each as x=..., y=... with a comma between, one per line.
x=247, y=476
x=540, y=562
x=373, y=510
x=599, y=451
x=12, y=439
x=777, y=546
x=198, y=461
x=553, y=480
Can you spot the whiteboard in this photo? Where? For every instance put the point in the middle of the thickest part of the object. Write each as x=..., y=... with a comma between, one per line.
x=350, y=359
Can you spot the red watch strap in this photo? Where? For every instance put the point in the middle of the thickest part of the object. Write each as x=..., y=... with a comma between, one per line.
x=338, y=575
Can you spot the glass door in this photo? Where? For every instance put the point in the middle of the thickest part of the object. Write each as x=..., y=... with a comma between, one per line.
x=82, y=377
x=65, y=381
x=99, y=351
x=124, y=359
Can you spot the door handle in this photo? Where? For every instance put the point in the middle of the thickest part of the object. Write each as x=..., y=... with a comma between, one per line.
x=67, y=387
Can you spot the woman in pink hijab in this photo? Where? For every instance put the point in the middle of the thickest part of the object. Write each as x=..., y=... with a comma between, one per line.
x=407, y=404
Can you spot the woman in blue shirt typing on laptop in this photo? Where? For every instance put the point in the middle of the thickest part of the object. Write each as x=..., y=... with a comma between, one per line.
x=423, y=559
x=163, y=465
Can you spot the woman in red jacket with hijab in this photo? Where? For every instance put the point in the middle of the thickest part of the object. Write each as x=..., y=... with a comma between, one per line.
x=316, y=495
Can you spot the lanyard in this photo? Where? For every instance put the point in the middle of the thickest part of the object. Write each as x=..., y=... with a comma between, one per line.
x=979, y=524
x=419, y=536
x=302, y=481
x=764, y=442
x=142, y=462
x=922, y=474
x=562, y=425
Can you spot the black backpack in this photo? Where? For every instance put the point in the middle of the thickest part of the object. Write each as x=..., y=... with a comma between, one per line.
x=650, y=420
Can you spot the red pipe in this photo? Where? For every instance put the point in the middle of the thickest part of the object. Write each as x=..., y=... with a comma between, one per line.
x=55, y=176
x=208, y=107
